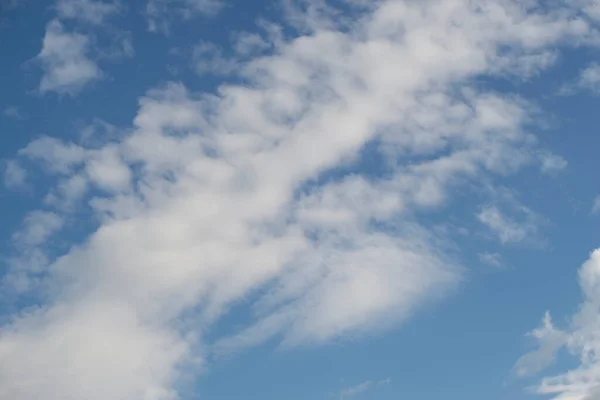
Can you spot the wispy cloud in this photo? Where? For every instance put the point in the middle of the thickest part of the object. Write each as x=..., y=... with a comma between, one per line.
x=209, y=59
x=550, y=340
x=10, y=4
x=14, y=176
x=588, y=81
x=212, y=199
x=12, y=112
x=580, y=338
x=596, y=205
x=509, y=220
x=161, y=13
x=491, y=259
x=38, y=227
x=506, y=228
x=361, y=388
x=551, y=163
x=90, y=11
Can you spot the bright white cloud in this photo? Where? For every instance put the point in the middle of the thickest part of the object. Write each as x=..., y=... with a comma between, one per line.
x=580, y=338
x=227, y=198
x=160, y=13
x=64, y=60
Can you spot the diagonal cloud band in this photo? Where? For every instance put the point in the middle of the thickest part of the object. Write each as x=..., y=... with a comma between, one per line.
x=213, y=199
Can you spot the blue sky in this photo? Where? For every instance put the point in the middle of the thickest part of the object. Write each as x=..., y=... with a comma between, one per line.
x=300, y=199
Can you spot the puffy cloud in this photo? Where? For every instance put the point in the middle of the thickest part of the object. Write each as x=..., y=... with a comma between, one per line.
x=246, y=195
x=64, y=60
x=580, y=338
x=70, y=58
x=56, y=156
x=106, y=169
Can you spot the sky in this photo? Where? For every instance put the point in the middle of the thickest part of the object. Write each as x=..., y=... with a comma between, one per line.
x=299, y=199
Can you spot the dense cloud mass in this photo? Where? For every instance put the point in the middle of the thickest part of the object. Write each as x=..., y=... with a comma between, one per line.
x=209, y=199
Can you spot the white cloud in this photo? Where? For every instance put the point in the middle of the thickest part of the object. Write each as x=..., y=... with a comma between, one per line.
x=24, y=269
x=56, y=156
x=160, y=13
x=38, y=226
x=550, y=340
x=551, y=163
x=580, y=338
x=227, y=198
x=106, y=169
x=68, y=192
x=588, y=80
x=90, y=11
x=14, y=176
x=250, y=43
x=64, y=60
x=69, y=57
x=208, y=58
